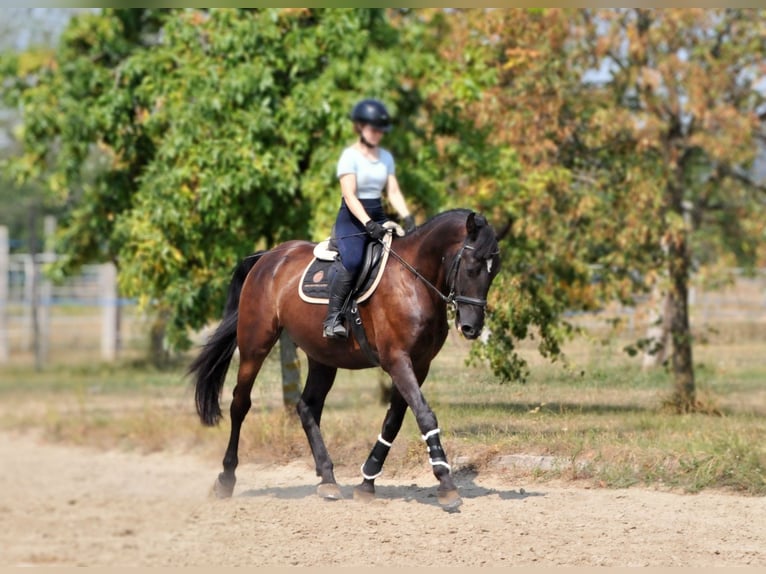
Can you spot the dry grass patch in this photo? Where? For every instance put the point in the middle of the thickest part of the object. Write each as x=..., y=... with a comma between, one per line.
x=599, y=418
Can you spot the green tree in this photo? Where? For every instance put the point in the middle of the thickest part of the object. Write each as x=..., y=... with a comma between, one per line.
x=211, y=132
x=565, y=250
x=636, y=131
x=683, y=97
x=34, y=32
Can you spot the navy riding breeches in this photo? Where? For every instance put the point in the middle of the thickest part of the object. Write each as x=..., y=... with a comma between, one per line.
x=351, y=235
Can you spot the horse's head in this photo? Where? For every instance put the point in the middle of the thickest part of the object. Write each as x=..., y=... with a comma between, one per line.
x=476, y=264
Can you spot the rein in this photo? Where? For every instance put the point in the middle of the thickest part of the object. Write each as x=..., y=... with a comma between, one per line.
x=452, y=298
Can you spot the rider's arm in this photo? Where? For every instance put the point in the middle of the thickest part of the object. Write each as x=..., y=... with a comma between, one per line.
x=348, y=189
x=395, y=196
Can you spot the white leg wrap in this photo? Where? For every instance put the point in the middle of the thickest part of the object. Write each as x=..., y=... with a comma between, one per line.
x=433, y=462
x=383, y=441
x=440, y=463
x=429, y=434
x=370, y=477
x=375, y=461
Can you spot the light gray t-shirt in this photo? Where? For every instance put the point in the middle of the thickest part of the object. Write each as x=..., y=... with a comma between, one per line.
x=371, y=175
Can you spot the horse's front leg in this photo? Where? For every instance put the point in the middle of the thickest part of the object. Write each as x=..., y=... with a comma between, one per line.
x=406, y=382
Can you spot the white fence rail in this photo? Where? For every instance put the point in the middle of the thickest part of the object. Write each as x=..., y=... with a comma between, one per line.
x=41, y=321
x=742, y=302
x=83, y=313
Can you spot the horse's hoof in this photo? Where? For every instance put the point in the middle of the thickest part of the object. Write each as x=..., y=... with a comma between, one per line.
x=363, y=494
x=329, y=491
x=222, y=488
x=449, y=500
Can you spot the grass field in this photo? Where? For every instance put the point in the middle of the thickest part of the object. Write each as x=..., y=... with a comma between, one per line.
x=598, y=419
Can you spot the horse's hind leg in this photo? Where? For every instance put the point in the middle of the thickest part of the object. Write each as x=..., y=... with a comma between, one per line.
x=373, y=466
x=318, y=383
x=250, y=364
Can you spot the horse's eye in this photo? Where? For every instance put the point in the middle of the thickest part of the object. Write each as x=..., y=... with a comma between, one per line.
x=473, y=269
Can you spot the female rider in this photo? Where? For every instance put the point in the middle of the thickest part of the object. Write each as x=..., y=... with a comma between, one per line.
x=364, y=171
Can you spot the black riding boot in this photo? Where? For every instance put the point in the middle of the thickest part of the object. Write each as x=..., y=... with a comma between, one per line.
x=340, y=286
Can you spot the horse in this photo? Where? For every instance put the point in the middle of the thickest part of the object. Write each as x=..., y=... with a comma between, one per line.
x=450, y=260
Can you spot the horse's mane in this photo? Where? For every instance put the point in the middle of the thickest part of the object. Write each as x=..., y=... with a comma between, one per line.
x=456, y=216
x=486, y=240
x=459, y=214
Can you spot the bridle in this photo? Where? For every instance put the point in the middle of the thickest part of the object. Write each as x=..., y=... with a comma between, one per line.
x=452, y=298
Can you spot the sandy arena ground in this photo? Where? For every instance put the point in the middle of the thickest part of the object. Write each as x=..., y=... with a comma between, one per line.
x=66, y=505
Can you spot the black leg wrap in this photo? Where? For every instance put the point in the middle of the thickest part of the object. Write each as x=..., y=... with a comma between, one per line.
x=436, y=454
x=374, y=464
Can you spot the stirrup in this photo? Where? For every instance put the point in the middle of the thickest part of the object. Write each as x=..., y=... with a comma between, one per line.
x=334, y=329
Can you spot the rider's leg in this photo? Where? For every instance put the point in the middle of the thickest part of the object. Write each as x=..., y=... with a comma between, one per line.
x=341, y=282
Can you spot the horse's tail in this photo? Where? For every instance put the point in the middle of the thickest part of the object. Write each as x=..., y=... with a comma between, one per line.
x=212, y=364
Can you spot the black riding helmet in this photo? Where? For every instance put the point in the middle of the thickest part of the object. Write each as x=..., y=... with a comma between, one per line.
x=372, y=112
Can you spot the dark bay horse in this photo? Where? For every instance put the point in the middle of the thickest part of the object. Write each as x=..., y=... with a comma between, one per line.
x=450, y=260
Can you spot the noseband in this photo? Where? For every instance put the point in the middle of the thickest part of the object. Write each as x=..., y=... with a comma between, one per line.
x=453, y=298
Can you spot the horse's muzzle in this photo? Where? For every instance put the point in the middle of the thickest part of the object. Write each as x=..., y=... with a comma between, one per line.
x=469, y=331
x=470, y=318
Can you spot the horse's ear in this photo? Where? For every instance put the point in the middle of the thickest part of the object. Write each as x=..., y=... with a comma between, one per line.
x=471, y=227
x=505, y=229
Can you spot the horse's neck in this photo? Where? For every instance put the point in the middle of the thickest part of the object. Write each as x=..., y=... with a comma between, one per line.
x=432, y=251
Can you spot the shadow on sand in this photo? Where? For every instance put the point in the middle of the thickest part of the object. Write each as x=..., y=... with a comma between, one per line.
x=464, y=479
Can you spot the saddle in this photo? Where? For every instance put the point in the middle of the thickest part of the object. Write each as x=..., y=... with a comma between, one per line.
x=314, y=284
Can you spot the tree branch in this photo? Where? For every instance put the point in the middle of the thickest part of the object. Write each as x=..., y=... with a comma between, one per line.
x=716, y=50
x=742, y=177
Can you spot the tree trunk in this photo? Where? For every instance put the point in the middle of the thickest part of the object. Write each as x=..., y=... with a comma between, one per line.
x=684, y=399
x=658, y=332
x=291, y=371
x=158, y=351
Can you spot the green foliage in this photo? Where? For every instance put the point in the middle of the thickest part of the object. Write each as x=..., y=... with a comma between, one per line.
x=627, y=176
x=182, y=139
x=179, y=140
x=683, y=105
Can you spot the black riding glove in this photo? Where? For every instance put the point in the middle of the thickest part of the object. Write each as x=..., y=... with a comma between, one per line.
x=375, y=229
x=408, y=223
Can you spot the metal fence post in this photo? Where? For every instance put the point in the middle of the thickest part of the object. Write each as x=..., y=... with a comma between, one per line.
x=109, y=311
